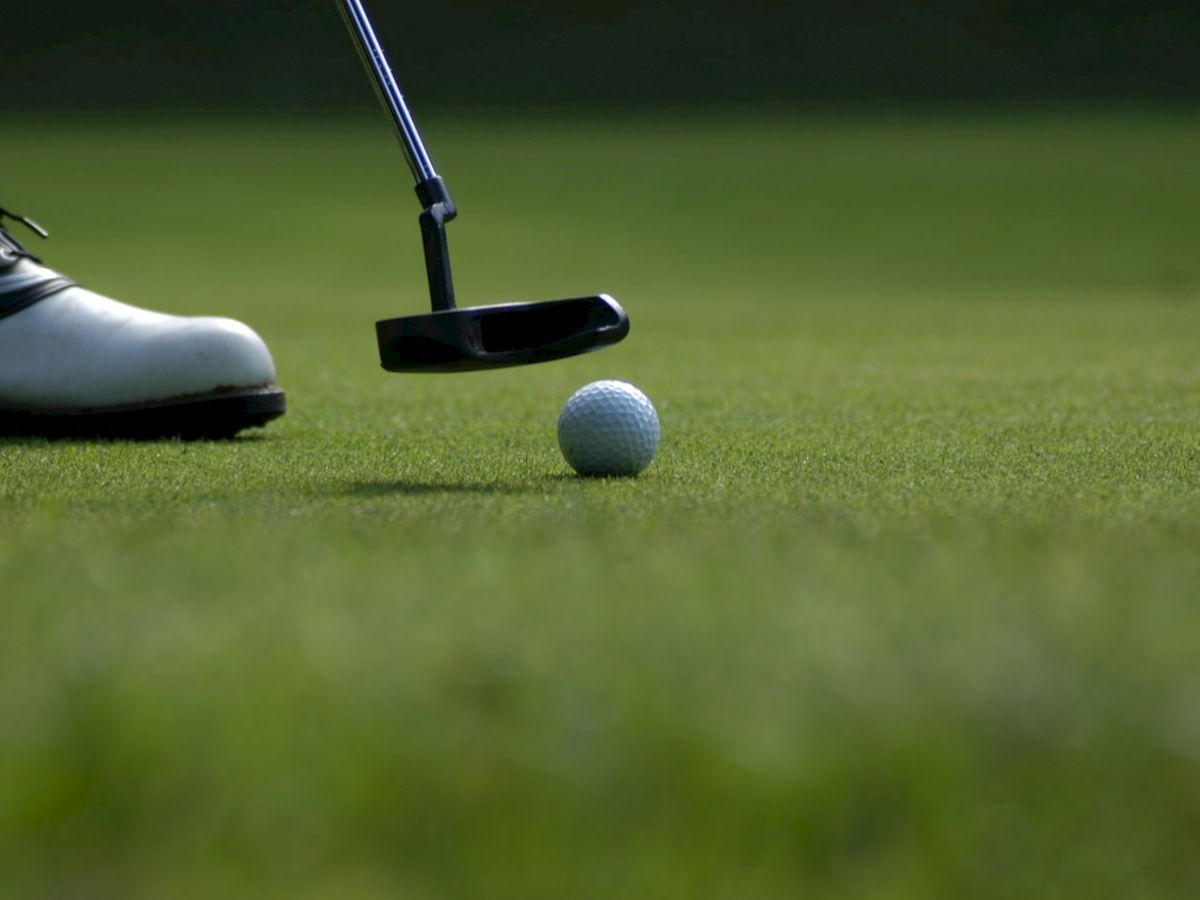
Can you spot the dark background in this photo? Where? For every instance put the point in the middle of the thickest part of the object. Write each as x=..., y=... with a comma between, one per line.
x=190, y=55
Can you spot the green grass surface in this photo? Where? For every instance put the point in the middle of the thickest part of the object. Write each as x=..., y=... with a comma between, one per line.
x=907, y=606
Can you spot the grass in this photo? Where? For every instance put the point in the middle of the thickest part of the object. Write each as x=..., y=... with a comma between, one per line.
x=906, y=606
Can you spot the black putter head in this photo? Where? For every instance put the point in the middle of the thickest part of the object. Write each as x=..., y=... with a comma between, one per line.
x=510, y=334
x=450, y=339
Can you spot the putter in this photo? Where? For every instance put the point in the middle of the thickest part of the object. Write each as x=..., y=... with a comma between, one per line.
x=450, y=339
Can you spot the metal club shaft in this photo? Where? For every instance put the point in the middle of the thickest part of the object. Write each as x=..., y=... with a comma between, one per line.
x=389, y=91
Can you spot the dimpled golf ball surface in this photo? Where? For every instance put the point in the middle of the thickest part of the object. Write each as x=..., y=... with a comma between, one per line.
x=608, y=428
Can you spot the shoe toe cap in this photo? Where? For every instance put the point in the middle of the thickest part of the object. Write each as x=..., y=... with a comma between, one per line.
x=78, y=350
x=200, y=355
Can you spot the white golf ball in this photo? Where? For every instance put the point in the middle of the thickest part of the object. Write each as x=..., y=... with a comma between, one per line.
x=608, y=428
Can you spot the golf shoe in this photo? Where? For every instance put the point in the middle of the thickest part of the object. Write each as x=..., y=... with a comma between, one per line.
x=74, y=363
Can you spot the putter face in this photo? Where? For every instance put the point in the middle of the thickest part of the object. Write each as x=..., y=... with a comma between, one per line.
x=510, y=334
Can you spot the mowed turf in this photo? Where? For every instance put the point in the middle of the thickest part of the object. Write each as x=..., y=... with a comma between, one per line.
x=907, y=606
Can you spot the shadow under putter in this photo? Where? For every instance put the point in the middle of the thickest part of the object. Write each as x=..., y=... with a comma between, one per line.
x=450, y=339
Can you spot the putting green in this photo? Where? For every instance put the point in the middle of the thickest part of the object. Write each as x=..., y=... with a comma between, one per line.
x=906, y=605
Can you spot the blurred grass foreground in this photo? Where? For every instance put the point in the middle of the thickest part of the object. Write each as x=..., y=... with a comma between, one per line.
x=906, y=607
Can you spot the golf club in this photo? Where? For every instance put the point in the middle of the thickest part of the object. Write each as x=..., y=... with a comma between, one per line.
x=450, y=339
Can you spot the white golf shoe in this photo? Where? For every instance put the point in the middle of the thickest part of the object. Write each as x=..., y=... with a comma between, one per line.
x=76, y=364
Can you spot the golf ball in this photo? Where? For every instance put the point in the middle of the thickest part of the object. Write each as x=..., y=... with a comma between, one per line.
x=608, y=428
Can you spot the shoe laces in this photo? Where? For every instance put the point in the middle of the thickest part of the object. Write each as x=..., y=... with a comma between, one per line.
x=10, y=248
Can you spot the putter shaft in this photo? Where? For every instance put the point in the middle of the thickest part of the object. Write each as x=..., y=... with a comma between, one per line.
x=388, y=89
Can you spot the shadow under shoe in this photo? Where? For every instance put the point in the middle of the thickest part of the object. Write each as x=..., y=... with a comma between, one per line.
x=216, y=416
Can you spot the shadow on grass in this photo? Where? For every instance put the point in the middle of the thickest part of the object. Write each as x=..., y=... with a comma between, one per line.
x=32, y=440
x=406, y=488
x=414, y=488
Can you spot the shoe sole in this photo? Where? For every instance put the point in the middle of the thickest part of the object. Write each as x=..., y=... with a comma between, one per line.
x=219, y=415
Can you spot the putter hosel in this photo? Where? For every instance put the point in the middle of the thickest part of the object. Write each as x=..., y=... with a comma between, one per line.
x=438, y=210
